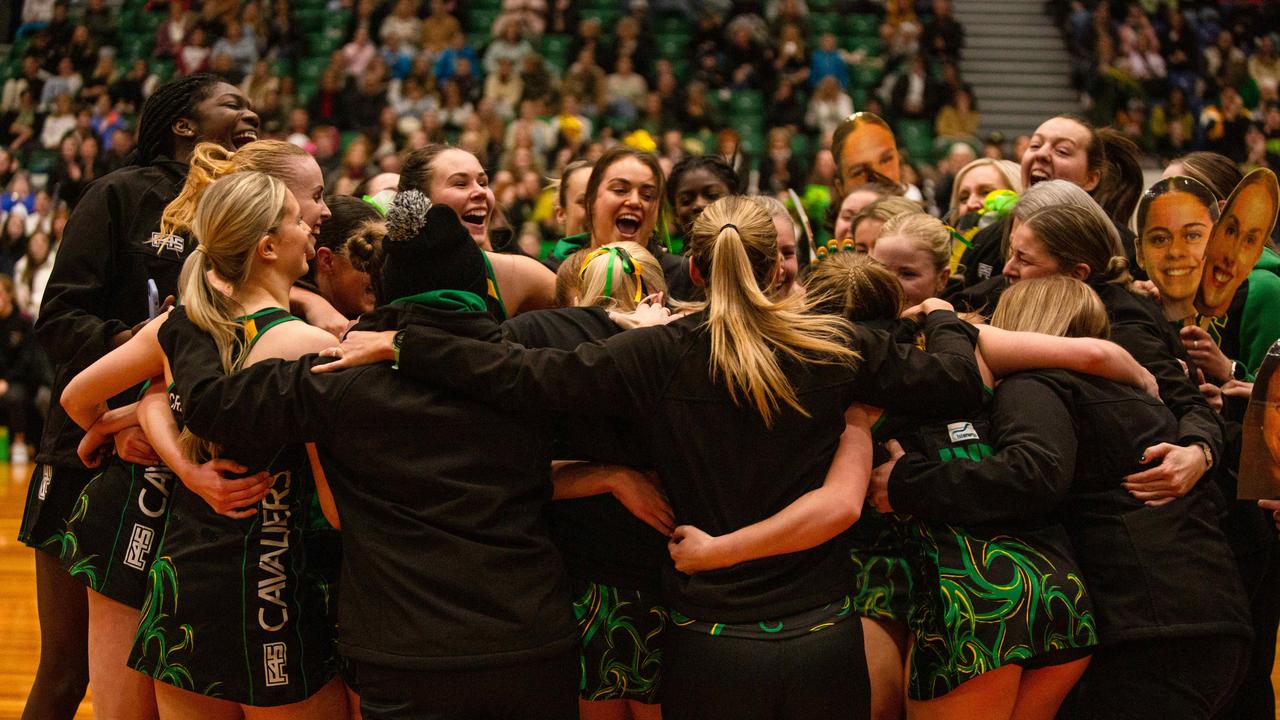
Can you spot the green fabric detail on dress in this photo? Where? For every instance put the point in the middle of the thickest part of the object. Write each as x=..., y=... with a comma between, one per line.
x=163, y=656
x=451, y=300
x=802, y=623
x=997, y=600
x=621, y=658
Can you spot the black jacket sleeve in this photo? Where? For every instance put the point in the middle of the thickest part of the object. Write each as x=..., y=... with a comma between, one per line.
x=1030, y=472
x=268, y=404
x=69, y=321
x=1197, y=422
x=611, y=379
x=902, y=378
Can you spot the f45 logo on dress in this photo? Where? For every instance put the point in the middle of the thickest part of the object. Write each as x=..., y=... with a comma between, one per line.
x=139, y=545
x=274, y=659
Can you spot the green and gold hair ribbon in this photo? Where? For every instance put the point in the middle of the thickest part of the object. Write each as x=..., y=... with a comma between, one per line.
x=630, y=266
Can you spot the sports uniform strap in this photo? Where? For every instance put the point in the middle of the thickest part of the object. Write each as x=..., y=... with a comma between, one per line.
x=257, y=324
x=494, y=291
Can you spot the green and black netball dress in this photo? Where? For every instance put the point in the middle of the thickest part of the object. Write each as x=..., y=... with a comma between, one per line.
x=115, y=527
x=237, y=609
x=984, y=597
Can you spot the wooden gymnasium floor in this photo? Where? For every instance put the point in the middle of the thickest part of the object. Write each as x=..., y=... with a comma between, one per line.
x=19, y=631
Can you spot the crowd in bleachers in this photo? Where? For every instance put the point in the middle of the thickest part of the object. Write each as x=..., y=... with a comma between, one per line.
x=526, y=85
x=1178, y=77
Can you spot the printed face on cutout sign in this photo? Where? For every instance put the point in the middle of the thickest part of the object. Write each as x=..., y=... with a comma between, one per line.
x=1177, y=216
x=1237, y=240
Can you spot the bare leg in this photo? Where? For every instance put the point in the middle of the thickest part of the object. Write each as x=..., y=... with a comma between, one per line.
x=177, y=704
x=353, y=704
x=1043, y=689
x=990, y=696
x=63, y=672
x=119, y=691
x=603, y=710
x=886, y=648
x=328, y=702
x=641, y=711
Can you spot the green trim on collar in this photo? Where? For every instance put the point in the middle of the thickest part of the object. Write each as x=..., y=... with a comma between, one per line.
x=452, y=300
x=567, y=246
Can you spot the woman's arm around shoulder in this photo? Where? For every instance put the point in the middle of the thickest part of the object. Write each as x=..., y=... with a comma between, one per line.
x=140, y=359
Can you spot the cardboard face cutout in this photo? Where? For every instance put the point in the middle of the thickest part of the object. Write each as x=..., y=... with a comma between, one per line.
x=1260, y=457
x=1175, y=217
x=1237, y=240
x=865, y=151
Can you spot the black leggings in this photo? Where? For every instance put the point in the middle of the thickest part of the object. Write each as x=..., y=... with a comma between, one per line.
x=537, y=690
x=811, y=677
x=1166, y=679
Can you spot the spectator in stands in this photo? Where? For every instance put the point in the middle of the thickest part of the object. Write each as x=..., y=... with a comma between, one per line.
x=237, y=43
x=539, y=84
x=121, y=146
x=280, y=30
x=628, y=43
x=585, y=81
x=1264, y=66
x=408, y=99
x=943, y=35
x=20, y=123
x=1224, y=125
x=828, y=61
x=195, y=53
x=784, y=108
x=791, y=63
x=562, y=17
x=780, y=168
x=957, y=121
x=59, y=122
x=1225, y=63
x=67, y=82
x=625, y=90
x=83, y=51
x=136, y=85
x=446, y=65
x=401, y=24
x=24, y=389
x=828, y=106
x=914, y=93
x=590, y=35
x=1181, y=49
x=31, y=273
x=259, y=83
x=454, y=107
x=327, y=104
x=30, y=78
x=100, y=79
x=786, y=12
x=1139, y=59
x=1172, y=126
x=68, y=178
x=509, y=43
x=357, y=54
x=529, y=14
x=439, y=29
x=13, y=236
x=398, y=58
x=745, y=59
x=698, y=115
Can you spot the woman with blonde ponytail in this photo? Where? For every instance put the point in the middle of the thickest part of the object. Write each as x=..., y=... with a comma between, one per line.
x=740, y=408
x=247, y=578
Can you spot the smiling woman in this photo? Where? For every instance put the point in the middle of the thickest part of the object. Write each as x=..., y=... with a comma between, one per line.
x=1238, y=240
x=454, y=177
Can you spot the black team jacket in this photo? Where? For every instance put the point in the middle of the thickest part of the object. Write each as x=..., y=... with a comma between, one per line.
x=447, y=564
x=110, y=248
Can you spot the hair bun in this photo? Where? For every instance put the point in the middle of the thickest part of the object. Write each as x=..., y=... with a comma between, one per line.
x=407, y=215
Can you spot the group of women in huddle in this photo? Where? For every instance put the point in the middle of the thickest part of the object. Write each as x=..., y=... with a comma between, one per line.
x=517, y=492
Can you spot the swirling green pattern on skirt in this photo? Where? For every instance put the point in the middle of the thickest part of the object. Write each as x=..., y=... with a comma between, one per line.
x=985, y=601
x=620, y=634
x=883, y=578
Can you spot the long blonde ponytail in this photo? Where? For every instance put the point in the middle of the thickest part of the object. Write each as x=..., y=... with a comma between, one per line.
x=210, y=161
x=735, y=247
x=232, y=215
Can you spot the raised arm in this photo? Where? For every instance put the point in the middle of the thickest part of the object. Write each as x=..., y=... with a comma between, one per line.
x=810, y=520
x=1007, y=352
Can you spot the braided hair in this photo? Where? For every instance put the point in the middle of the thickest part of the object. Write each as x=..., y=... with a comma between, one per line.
x=169, y=103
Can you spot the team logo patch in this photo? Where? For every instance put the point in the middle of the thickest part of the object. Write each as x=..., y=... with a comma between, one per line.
x=274, y=657
x=139, y=546
x=166, y=243
x=46, y=477
x=962, y=431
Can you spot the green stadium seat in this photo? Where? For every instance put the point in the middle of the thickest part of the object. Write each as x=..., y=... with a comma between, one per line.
x=746, y=102
x=864, y=75
x=916, y=137
x=163, y=68
x=672, y=24
x=555, y=48
x=866, y=43
x=42, y=160
x=820, y=23
x=864, y=25
x=478, y=41
x=481, y=18
x=800, y=145
x=672, y=45
x=310, y=69
x=607, y=15
x=310, y=20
